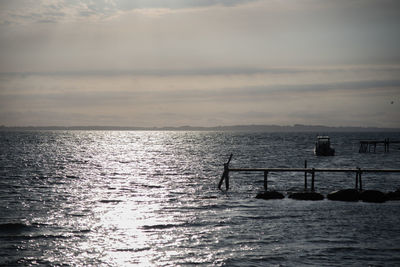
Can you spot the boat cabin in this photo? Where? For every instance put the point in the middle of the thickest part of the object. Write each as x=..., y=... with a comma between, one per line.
x=323, y=146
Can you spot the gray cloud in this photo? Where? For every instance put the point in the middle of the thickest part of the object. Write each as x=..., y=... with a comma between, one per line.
x=226, y=62
x=245, y=36
x=110, y=98
x=393, y=70
x=321, y=87
x=175, y=4
x=58, y=10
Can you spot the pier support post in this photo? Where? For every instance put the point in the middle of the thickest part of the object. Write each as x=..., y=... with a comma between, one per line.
x=362, y=148
x=312, y=179
x=385, y=145
x=305, y=175
x=265, y=180
x=356, y=181
x=226, y=167
x=359, y=178
x=222, y=179
x=386, y=142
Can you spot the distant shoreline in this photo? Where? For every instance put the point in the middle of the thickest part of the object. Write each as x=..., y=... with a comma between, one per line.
x=241, y=128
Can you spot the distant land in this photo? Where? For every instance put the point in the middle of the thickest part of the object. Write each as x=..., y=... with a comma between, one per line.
x=241, y=128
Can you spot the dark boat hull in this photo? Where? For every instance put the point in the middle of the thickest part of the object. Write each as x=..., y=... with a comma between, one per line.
x=324, y=152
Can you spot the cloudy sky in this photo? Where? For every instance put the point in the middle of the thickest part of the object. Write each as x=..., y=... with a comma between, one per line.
x=199, y=62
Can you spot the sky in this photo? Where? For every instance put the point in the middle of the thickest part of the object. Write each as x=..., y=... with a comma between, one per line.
x=199, y=62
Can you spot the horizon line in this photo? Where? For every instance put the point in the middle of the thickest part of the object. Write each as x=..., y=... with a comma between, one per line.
x=244, y=127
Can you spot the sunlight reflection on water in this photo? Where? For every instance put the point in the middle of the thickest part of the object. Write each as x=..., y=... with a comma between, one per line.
x=150, y=199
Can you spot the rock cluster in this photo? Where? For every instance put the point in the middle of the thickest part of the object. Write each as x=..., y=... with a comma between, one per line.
x=339, y=195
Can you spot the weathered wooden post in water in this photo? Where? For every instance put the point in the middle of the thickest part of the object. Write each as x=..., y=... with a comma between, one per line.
x=312, y=179
x=265, y=180
x=269, y=194
x=225, y=174
x=305, y=175
x=356, y=186
x=358, y=179
x=307, y=195
x=386, y=144
x=226, y=170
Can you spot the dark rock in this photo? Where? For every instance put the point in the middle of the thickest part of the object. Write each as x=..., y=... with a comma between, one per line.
x=270, y=195
x=344, y=195
x=393, y=195
x=373, y=196
x=306, y=196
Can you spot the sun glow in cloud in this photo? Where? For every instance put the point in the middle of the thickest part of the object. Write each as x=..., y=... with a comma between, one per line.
x=206, y=63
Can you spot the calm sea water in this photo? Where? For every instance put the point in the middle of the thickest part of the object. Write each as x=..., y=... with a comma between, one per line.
x=117, y=198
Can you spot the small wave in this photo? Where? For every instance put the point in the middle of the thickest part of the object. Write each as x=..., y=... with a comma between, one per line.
x=110, y=201
x=83, y=231
x=29, y=261
x=209, y=207
x=34, y=236
x=159, y=226
x=266, y=217
x=272, y=260
x=333, y=241
x=57, y=183
x=47, y=236
x=132, y=249
x=151, y=186
x=125, y=161
x=170, y=225
x=76, y=214
x=35, y=231
x=16, y=227
x=208, y=197
x=342, y=249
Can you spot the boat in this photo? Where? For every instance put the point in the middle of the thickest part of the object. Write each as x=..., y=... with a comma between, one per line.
x=323, y=146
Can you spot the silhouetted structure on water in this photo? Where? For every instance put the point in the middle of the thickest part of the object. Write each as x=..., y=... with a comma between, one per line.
x=345, y=195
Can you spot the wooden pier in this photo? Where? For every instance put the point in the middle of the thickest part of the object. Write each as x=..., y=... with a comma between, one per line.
x=357, y=171
x=368, y=145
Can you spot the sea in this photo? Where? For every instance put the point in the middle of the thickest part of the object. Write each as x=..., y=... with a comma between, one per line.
x=150, y=198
